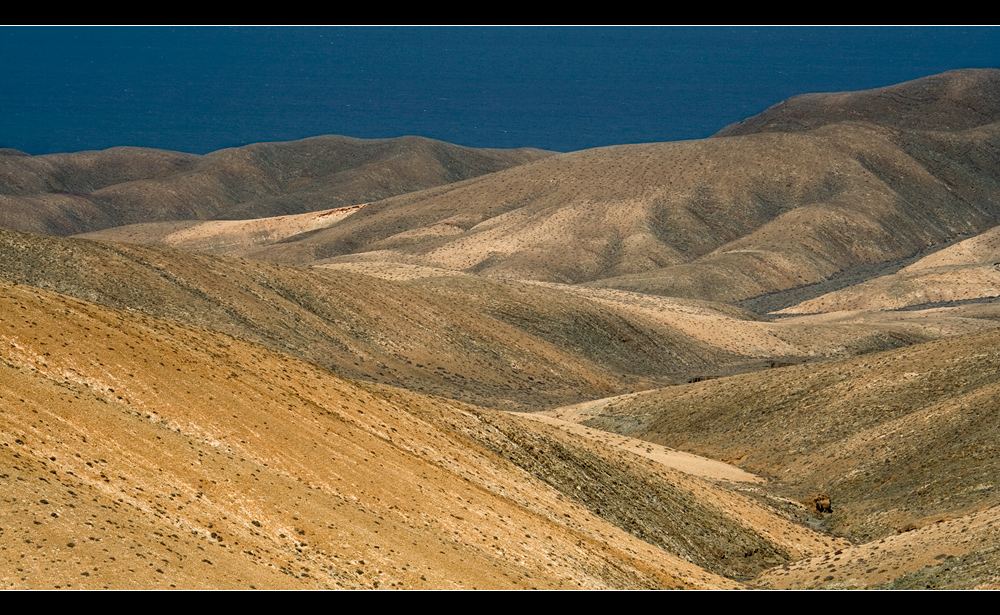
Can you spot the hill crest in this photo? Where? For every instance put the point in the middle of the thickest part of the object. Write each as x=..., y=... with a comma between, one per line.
x=952, y=101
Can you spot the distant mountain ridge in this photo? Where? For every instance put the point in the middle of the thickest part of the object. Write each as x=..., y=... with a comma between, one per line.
x=65, y=194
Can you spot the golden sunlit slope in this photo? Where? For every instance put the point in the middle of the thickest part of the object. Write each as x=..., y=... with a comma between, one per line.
x=502, y=343
x=724, y=218
x=139, y=453
x=63, y=194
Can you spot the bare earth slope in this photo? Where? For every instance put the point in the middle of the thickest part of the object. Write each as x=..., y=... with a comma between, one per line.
x=64, y=194
x=139, y=453
x=725, y=218
x=964, y=272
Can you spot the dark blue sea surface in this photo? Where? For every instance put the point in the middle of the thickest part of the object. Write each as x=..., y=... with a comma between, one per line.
x=202, y=89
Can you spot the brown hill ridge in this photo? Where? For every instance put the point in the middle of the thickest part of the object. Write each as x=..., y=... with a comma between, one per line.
x=953, y=101
x=64, y=194
x=725, y=219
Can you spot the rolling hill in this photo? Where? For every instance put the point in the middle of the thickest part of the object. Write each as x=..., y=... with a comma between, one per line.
x=766, y=359
x=65, y=194
x=727, y=218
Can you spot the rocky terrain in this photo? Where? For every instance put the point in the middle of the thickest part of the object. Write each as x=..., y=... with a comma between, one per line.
x=761, y=360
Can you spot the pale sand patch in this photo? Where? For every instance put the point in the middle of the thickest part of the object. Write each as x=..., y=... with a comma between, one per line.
x=233, y=237
x=260, y=231
x=674, y=459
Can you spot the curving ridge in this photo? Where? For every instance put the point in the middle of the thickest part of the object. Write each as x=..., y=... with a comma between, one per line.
x=720, y=219
x=953, y=101
x=65, y=194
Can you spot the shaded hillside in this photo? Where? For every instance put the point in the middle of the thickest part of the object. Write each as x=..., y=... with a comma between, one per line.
x=526, y=346
x=896, y=439
x=85, y=172
x=63, y=194
x=723, y=219
x=930, y=287
x=52, y=194
x=965, y=272
x=961, y=553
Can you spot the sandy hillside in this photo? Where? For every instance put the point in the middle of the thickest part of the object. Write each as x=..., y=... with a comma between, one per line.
x=242, y=467
x=964, y=272
x=234, y=237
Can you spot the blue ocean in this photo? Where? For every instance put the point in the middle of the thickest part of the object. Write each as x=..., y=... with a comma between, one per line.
x=564, y=89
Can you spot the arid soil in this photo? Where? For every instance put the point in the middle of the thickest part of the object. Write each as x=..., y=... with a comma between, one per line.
x=768, y=359
x=195, y=460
